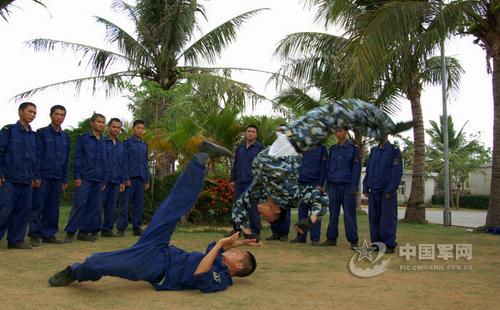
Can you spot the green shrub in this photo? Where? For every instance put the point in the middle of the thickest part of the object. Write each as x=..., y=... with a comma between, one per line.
x=213, y=205
x=480, y=202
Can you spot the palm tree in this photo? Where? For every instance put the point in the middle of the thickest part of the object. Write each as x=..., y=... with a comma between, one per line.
x=401, y=63
x=396, y=21
x=163, y=49
x=6, y=5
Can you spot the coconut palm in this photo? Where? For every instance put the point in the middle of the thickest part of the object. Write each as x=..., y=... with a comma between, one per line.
x=396, y=21
x=404, y=68
x=163, y=48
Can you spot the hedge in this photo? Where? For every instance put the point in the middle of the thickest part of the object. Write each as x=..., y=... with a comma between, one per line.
x=480, y=202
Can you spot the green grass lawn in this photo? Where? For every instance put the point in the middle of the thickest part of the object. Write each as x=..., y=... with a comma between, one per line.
x=289, y=276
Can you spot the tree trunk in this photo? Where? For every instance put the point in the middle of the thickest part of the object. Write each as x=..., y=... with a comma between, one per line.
x=493, y=216
x=457, y=203
x=415, y=210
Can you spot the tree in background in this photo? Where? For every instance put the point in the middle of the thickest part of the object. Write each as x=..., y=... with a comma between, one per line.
x=467, y=154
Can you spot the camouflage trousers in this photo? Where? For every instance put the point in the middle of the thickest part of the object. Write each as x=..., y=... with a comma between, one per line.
x=315, y=126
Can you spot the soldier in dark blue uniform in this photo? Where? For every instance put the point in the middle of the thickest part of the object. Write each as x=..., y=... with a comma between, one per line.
x=90, y=172
x=18, y=170
x=312, y=172
x=164, y=266
x=344, y=170
x=117, y=177
x=241, y=173
x=53, y=160
x=384, y=170
x=136, y=156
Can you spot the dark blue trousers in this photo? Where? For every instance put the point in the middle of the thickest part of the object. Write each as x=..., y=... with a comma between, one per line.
x=110, y=196
x=132, y=195
x=146, y=259
x=316, y=229
x=44, y=218
x=383, y=217
x=87, y=201
x=283, y=227
x=340, y=194
x=15, y=209
x=253, y=213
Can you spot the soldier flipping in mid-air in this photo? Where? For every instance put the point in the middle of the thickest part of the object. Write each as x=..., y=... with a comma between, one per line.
x=275, y=186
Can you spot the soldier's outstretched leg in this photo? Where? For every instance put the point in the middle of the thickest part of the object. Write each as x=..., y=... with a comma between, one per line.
x=315, y=126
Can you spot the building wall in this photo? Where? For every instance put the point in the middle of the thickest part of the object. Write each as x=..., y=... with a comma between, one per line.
x=480, y=180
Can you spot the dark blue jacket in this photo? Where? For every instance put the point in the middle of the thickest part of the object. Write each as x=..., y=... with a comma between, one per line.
x=242, y=165
x=116, y=161
x=312, y=170
x=136, y=155
x=53, y=153
x=344, y=165
x=384, y=169
x=18, y=156
x=90, y=159
x=180, y=268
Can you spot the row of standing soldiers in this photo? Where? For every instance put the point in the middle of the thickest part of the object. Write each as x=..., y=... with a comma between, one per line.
x=34, y=170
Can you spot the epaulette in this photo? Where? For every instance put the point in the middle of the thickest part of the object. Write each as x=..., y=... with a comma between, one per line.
x=7, y=127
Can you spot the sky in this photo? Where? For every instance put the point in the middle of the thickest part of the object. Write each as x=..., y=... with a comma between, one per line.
x=72, y=20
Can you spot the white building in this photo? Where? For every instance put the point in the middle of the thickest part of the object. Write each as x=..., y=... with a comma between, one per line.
x=480, y=180
x=405, y=186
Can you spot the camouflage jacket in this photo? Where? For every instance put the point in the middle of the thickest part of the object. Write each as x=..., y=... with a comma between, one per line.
x=277, y=177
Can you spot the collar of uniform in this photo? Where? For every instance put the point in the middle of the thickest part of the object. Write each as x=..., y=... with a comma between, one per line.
x=346, y=143
x=256, y=143
x=21, y=127
x=383, y=146
x=91, y=134
x=52, y=129
x=135, y=139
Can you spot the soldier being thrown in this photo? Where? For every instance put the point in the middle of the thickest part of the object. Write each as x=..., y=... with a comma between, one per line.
x=275, y=185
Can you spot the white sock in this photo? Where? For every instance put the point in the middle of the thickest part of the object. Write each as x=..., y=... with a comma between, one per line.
x=282, y=147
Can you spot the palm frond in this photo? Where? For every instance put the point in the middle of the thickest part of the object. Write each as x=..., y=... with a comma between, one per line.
x=310, y=44
x=223, y=91
x=432, y=72
x=132, y=11
x=340, y=12
x=127, y=44
x=209, y=47
x=297, y=100
x=5, y=6
x=99, y=59
x=113, y=81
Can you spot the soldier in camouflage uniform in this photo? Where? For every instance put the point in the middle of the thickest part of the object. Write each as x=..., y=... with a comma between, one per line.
x=275, y=184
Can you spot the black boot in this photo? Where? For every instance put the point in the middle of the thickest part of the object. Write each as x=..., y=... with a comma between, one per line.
x=35, y=241
x=329, y=243
x=85, y=237
x=214, y=150
x=69, y=238
x=21, y=245
x=52, y=240
x=273, y=237
x=62, y=278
